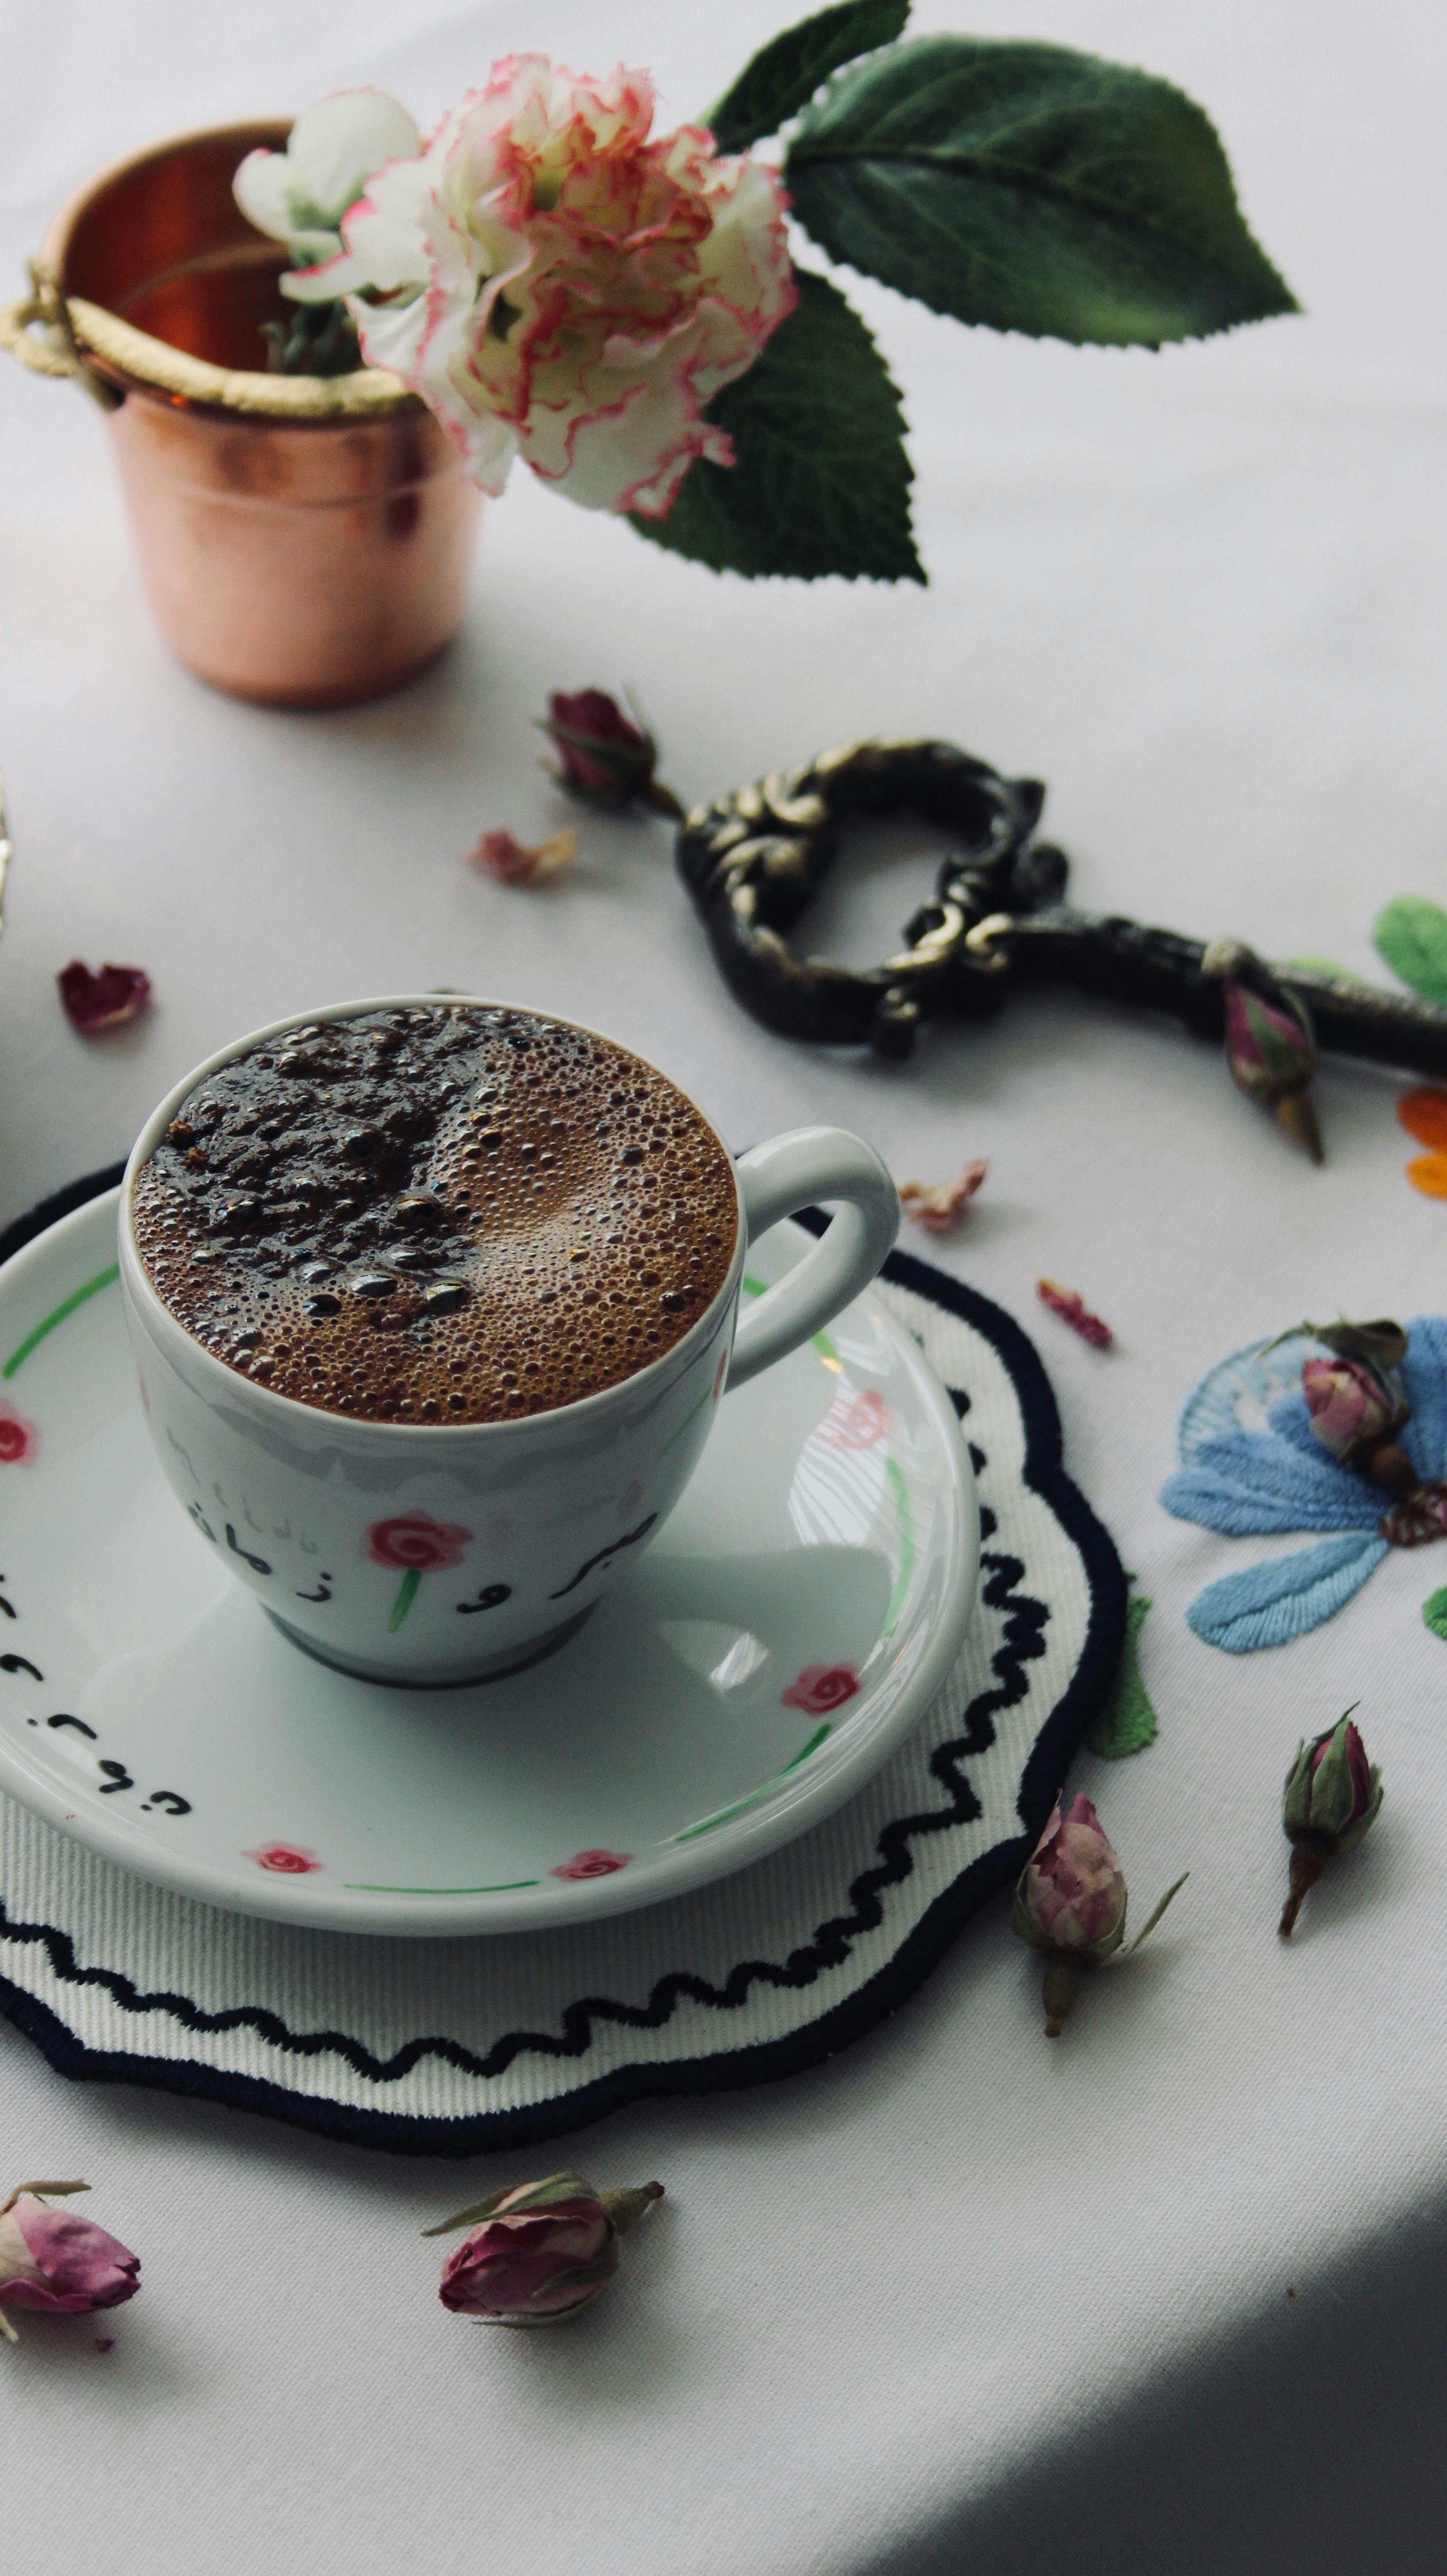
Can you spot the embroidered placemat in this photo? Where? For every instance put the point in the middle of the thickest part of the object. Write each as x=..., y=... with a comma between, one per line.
x=448, y=2046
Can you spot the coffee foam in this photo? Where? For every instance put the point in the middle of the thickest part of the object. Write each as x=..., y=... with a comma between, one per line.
x=443, y=1215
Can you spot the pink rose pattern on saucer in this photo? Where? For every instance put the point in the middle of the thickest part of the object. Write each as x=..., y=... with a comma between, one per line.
x=821, y=1687
x=592, y=1864
x=18, y=1439
x=292, y=1859
x=857, y=1422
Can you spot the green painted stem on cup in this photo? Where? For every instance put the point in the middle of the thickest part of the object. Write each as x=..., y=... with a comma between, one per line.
x=818, y=1341
x=57, y=1315
x=406, y=1595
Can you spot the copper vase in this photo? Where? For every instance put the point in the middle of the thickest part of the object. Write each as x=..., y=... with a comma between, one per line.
x=303, y=541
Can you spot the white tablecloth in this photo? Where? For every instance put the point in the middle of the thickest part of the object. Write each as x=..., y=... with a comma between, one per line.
x=1166, y=2296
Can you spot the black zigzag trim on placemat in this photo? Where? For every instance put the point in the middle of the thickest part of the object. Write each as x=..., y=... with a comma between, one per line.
x=727, y=2070
x=24, y=1229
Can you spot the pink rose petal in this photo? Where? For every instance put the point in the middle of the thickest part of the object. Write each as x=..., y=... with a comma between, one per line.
x=942, y=1207
x=512, y=863
x=93, y=1003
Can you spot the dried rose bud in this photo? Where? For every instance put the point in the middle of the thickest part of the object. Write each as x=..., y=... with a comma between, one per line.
x=1271, y=1055
x=94, y=1003
x=1333, y=1796
x=942, y=1207
x=51, y=2259
x=603, y=758
x=538, y=2252
x=1073, y=1892
x=1070, y=1904
x=1356, y=1417
x=1381, y=1343
x=512, y=862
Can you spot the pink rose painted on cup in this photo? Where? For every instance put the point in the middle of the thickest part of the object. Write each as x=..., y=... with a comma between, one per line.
x=418, y=1545
x=18, y=1440
x=592, y=1864
x=416, y=1542
x=821, y=1687
x=292, y=1859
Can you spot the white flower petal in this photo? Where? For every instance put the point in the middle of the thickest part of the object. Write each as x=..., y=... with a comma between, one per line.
x=339, y=144
x=325, y=279
x=391, y=334
x=388, y=232
x=628, y=455
x=262, y=188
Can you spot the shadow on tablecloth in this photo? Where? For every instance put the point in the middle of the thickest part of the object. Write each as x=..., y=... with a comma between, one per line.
x=1313, y=2442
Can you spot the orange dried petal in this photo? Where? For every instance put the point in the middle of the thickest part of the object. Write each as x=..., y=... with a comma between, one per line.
x=1428, y=1173
x=1424, y=1115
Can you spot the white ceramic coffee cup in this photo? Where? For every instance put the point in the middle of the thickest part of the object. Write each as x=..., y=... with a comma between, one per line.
x=440, y=1553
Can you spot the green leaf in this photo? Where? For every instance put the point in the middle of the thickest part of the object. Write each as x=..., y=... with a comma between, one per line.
x=784, y=75
x=822, y=480
x=535, y=2195
x=1157, y=1911
x=1411, y=934
x=1031, y=189
x=1434, y=1611
x=1128, y=1722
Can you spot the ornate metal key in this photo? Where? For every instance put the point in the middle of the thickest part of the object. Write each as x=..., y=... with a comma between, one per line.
x=753, y=859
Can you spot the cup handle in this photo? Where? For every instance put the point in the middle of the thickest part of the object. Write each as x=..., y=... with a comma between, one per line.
x=791, y=1172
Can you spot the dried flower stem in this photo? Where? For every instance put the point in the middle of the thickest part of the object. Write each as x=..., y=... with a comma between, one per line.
x=625, y=2208
x=1060, y=1988
x=1306, y=1868
x=1296, y=1117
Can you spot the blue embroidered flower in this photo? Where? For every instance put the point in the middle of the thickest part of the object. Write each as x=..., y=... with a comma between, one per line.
x=1242, y=1480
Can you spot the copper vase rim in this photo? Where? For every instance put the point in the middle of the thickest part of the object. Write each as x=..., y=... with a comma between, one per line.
x=139, y=359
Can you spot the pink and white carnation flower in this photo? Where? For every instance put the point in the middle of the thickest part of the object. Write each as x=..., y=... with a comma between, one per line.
x=558, y=287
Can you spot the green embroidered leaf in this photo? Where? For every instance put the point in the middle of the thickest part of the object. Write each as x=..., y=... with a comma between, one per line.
x=1434, y=1612
x=1128, y=1722
x=1411, y=934
x=784, y=74
x=1031, y=189
x=822, y=480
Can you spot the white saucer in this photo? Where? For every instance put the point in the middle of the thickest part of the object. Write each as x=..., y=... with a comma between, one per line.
x=781, y=1638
